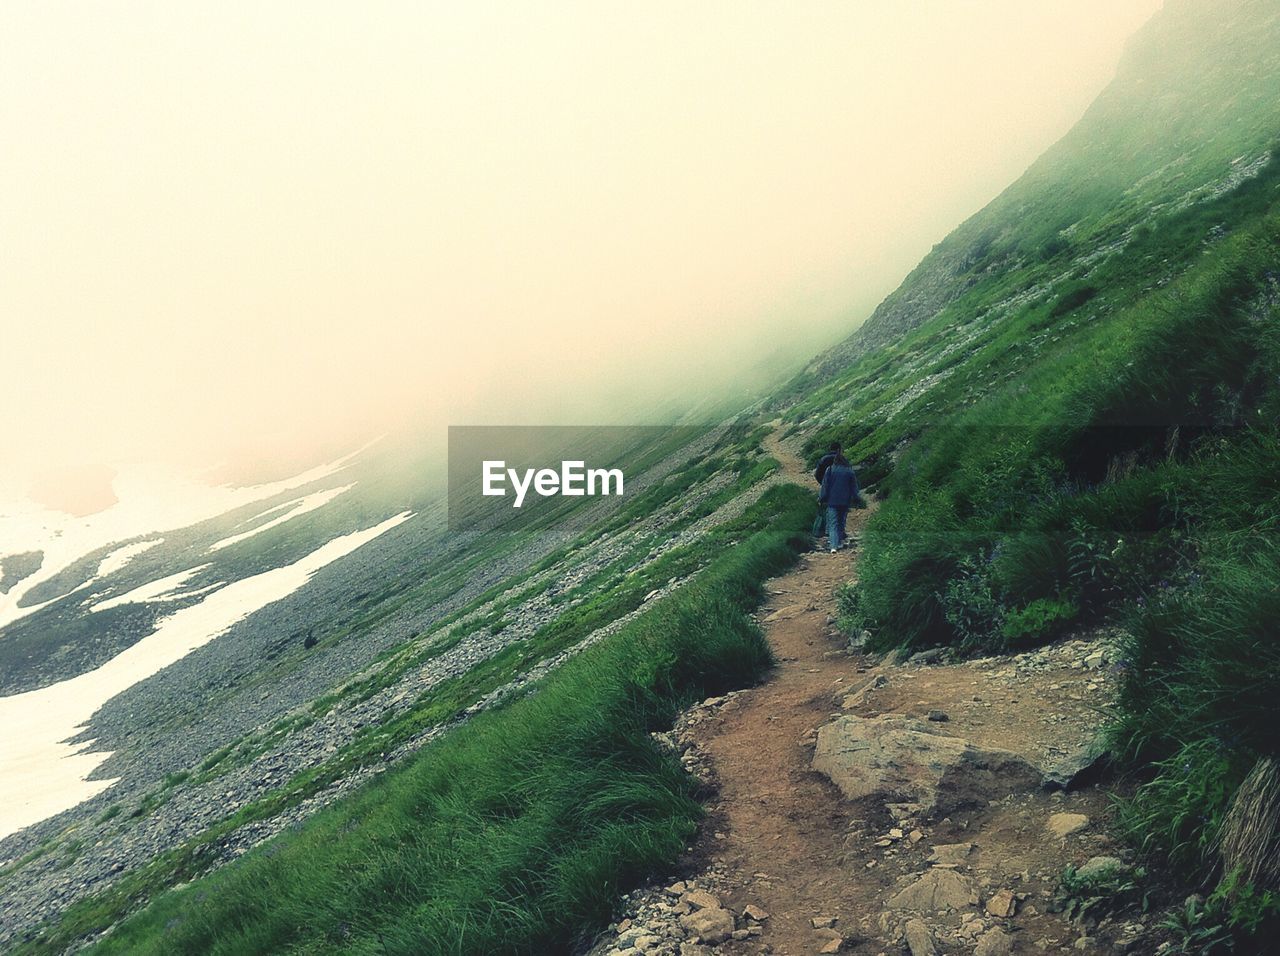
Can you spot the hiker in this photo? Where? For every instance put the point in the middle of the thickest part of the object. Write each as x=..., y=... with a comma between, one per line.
x=839, y=492
x=820, y=519
x=834, y=451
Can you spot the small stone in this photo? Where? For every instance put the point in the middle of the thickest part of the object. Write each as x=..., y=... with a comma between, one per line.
x=1100, y=866
x=919, y=939
x=1002, y=903
x=678, y=889
x=1063, y=825
x=1085, y=943
x=932, y=656
x=937, y=890
x=938, y=716
x=709, y=925
x=915, y=836
x=950, y=854
x=822, y=922
x=754, y=912
x=994, y=942
x=833, y=946
x=741, y=934
x=701, y=899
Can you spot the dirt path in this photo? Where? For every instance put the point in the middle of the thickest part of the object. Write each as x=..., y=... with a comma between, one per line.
x=792, y=467
x=777, y=827
x=781, y=826
x=782, y=838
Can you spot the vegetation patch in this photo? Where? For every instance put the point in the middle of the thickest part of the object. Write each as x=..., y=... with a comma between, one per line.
x=513, y=834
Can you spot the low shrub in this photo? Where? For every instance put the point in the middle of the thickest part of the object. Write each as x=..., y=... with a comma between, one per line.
x=1041, y=620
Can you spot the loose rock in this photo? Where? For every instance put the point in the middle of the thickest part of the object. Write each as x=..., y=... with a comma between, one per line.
x=1062, y=825
x=937, y=890
x=709, y=925
x=900, y=758
x=994, y=942
x=919, y=939
x=1002, y=903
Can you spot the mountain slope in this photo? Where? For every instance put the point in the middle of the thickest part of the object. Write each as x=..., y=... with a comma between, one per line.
x=1070, y=408
x=1193, y=111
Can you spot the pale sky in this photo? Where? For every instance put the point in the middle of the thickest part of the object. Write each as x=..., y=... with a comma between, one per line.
x=226, y=226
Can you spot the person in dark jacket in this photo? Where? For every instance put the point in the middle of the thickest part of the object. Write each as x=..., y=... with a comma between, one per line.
x=839, y=492
x=820, y=519
x=834, y=451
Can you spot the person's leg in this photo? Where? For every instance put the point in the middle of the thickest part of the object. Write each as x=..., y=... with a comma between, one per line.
x=833, y=528
x=843, y=514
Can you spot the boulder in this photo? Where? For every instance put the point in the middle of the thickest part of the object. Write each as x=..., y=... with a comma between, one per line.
x=901, y=759
x=937, y=891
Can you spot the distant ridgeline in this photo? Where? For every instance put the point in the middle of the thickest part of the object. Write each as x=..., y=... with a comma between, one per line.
x=1070, y=408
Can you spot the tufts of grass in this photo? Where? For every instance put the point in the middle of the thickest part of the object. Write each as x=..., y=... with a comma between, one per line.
x=514, y=834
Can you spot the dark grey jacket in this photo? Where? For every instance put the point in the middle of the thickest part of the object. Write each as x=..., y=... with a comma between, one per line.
x=839, y=486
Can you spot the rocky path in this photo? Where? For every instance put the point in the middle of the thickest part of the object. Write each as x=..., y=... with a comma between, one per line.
x=868, y=806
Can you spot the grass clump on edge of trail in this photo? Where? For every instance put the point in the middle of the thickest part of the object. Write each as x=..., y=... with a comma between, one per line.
x=518, y=832
x=1131, y=476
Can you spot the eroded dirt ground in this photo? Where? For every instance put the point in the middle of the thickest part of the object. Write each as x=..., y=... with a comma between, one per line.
x=789, y=863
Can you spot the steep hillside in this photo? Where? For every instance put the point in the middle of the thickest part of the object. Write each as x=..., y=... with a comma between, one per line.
x=458, y=740
x=375, y=664
x=1193, y=111
x=1070, y=410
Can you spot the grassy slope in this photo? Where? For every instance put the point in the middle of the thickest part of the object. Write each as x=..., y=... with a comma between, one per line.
x=516, y=832
x=1095, y=439
x=755, y=543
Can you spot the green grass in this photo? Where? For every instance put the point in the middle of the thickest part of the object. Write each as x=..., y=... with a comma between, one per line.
x=514, y=833
x=1100, y=441
x=1138, y=484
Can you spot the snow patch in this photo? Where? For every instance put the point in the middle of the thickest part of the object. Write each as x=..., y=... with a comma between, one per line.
x=41, y=774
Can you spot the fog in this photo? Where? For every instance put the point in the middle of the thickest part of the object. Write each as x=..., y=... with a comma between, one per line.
x=235, y=231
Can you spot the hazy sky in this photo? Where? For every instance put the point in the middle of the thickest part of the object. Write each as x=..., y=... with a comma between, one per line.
x=227, y=225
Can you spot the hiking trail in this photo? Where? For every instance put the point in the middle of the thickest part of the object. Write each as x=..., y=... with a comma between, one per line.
x=929, y=828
